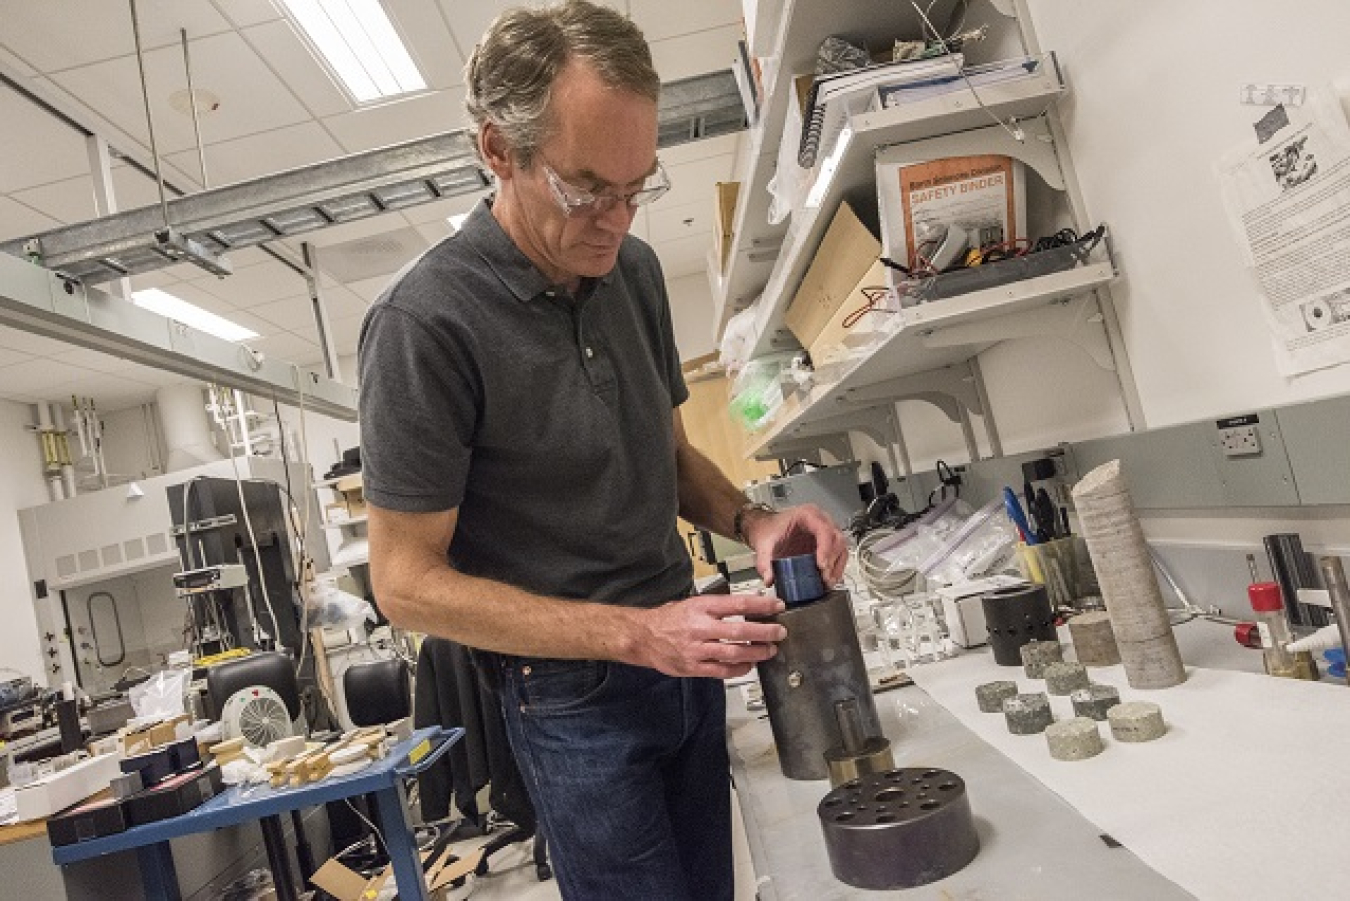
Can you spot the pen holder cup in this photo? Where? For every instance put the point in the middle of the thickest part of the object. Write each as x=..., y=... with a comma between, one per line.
x=1064, y=567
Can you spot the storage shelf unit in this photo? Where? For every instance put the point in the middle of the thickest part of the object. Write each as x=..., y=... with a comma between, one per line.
x=803, y=24
x=917, y=345
x=855, y=174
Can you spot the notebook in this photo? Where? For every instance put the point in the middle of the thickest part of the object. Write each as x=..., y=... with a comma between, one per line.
x=834, y=97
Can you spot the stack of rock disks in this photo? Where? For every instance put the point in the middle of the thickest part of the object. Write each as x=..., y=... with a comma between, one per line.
x=1027, y=714
x=1143, y=633
x=991, y=695
x=1093, y=641
x=1074, y=739
x=1094, y=701
x=1065, y=678
x=1037, y=655
x=1136, y=721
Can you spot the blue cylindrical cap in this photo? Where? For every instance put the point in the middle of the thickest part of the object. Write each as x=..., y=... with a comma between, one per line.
x=797, y=579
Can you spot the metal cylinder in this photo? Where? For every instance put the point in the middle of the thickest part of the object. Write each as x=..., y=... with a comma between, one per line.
x=860, y=753
x=818, y=664
x=1333, y=574
x=796, y=580
x=1015, y=616
x=898, y=829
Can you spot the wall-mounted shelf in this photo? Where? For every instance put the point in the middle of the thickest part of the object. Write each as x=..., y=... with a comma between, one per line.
x=802, y=27
x=916, y=343
x=855, y=172
x=343, y=523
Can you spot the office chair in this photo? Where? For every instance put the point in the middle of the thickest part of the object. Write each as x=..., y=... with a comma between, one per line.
x=377, y=692
x=451, y=693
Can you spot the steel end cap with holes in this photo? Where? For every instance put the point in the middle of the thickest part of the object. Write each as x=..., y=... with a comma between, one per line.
x=898, y=829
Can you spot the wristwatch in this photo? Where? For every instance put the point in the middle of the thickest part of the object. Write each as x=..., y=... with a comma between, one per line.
x=738, y=523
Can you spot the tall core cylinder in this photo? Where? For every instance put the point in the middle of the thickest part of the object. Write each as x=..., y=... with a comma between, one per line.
x=818, y=664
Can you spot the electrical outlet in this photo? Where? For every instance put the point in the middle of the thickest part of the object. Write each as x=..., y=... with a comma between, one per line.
x=1240, y=441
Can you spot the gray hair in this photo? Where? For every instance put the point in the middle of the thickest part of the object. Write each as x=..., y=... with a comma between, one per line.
x=510, y=74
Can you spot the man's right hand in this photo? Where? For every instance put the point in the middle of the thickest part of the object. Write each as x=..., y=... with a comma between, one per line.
x=698, y=637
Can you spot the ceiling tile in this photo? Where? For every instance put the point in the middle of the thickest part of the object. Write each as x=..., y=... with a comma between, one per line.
x=289, y=313
x=640, y=226
x=345, y=333
x=398, y=120
x=20, y=221
x=440, y=210
x=72, y=200
x=687, y=55
x=282, y=48
x=243, y=13
x=41, y=378
x=14, y=64
x=370, y=288
x=684, y=256
x=27, y=127
x=267, y=153
x=434, y=231
x=252, y=98
x=661, y=19
x=286, y=346
x=9, y=357
x=76, y=32
x=423, y=29
x=342, y=302
x=252, y=285
x=37, y=345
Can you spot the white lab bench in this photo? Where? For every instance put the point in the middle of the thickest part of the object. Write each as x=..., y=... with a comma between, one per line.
x=1033, y=844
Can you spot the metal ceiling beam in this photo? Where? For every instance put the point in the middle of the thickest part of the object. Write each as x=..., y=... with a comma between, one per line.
x=204, y=226
x=46, y=303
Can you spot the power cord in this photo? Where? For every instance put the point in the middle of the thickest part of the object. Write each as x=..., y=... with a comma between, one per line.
x=1011, y=127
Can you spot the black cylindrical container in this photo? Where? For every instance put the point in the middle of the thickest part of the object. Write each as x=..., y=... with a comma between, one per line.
x=898, y=829
x=797, y=579
x=818, y=664
x=1014, y=616
x=68, y=720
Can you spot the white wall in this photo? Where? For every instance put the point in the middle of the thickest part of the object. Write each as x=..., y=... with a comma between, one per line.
x=21, y=485
x=691, y=308
x=1152, y=104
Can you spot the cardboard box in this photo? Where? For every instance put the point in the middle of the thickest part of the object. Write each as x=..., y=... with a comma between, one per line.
x=847, y=253
x=848, y=330
x=349, y=490
x=727, y=192
x=934, y=211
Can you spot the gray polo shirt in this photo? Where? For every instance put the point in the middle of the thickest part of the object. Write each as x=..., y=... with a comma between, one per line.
x=547, y=421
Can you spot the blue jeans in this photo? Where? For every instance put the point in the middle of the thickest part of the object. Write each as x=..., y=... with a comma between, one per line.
x=629, y=775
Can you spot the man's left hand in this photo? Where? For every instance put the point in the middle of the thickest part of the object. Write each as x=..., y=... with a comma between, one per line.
x=796, y=531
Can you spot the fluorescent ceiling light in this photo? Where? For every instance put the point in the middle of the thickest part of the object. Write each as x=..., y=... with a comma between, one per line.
x=157, y=301
x=359, y=44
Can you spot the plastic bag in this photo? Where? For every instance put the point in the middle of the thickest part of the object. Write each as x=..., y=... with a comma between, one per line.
x=330, y=607
x=984, y=545
x=162, y=695
x=757, y=392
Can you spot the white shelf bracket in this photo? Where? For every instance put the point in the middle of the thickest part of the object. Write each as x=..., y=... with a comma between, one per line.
x=1077, y=320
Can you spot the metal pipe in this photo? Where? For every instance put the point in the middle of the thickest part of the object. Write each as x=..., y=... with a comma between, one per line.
x=1333, y=574
x=192, y=99
x=149, y=117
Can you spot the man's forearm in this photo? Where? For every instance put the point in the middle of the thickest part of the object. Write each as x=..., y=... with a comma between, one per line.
x=494, y=616
x=708, y=499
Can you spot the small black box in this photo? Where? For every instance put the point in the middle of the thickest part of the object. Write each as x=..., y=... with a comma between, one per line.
x=184, y=755
x=161, y=763
x=85, y=821
x=173, y=797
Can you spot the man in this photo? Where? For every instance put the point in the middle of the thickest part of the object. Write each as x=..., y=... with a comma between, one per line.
x=525, y=462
